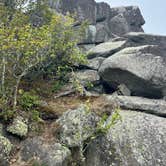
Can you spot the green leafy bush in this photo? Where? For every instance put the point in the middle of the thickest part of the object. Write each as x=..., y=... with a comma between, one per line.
x=29, y=101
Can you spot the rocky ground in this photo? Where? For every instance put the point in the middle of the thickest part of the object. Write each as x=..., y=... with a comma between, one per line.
x=120, y=120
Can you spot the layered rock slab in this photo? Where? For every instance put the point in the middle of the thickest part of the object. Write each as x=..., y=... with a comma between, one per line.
x=157, y=107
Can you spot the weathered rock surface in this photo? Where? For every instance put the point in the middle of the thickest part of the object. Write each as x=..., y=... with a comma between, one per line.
x=87, y=76
x=5, y=149
x=126, y=19
x=83, y=9
x=142, y=69
x=50, y=154
x=139, y=38
x=105, y=22
x=123, y=90
x=106, y=49
x=18, y=127
x=95, y=63
x=157, y=107
x=139, y=139
x=76, y=126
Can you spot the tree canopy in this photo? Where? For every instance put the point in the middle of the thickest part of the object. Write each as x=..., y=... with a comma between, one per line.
x=31, y=35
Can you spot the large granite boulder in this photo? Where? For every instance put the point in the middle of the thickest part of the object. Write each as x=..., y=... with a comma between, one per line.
x=76, y=126
x=85, y=77
x=151, y=106
x=125, y=19
x=43, y=153
x=105, y=22
x=83, y=9
x=106, y=49
x=142, y=69
x=95, y=34
x=137, y=140
x=95, y=63
x=140, y=38
x=102, y=12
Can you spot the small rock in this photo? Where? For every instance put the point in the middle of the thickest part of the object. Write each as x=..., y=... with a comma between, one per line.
x=123, y=90
x=18, y=127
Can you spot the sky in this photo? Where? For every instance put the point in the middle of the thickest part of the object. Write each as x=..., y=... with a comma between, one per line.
x=153, y=11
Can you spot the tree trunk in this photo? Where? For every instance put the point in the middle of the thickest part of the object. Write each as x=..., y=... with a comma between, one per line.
x=16, y=92
x=3, y=76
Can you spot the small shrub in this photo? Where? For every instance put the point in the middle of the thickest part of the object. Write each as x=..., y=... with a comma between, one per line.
x=29, y=101
x=104, y=125
x=57, y=85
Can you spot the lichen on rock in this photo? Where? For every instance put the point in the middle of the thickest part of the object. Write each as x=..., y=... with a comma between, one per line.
x=18, y=127
x=5, y=149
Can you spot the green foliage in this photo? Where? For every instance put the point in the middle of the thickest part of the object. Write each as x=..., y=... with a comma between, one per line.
x=104, y=125
x=6, y=113
x=35, y=115
x=29, y=101
x=58, y=84
x=77, y=84
x=27, y=44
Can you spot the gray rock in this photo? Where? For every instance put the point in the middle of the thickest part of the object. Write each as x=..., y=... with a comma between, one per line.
x=84, y=10
x=137, y=140
x=139, y=38
x=90, y=35
x=126, y=19
x=76, y=126
x=95, y=63
x=152, y=106
x=106, y=49
x=5, y=149
x=123, y=90
x=86, y=47
x=102, y=32
x=50, y=154
x=103, y=11
x=86, y=76
x=18, y=127
x=142, y=69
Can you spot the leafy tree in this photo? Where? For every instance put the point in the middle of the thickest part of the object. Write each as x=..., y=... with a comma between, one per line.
x=25, y=45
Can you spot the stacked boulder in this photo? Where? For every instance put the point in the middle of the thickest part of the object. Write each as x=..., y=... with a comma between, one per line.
x=104, y=22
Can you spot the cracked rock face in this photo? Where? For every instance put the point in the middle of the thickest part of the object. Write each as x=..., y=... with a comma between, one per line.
x=105, y=22
x=52, y=154
x=139, y=139
x=76, y=126
x=142, y=69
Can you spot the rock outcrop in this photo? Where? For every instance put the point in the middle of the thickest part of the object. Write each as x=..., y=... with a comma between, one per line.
x=41, y=153
x=76, y=126
x=124, y=128
x=151, y=106
x=105, y=22
x=141, y=69
x=139, y=139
